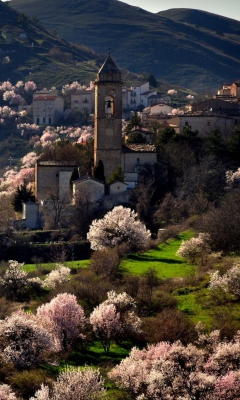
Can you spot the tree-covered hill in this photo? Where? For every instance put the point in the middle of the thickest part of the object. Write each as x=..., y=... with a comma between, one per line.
x=189, y=48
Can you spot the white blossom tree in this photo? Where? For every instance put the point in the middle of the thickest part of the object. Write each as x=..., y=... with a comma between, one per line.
x=117, y=227
x=57, y=277
x=229, y=282
x=6, y=393
x=15, y=283
x=74, y=384
x=195, y=248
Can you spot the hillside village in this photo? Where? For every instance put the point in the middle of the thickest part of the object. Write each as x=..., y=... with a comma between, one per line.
x=154, y=111
x=119, y=231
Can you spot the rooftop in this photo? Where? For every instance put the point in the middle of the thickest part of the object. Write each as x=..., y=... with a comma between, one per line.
x=138, y=147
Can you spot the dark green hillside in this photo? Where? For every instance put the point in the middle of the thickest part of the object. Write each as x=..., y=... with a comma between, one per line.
x=188, y=48
x=203, y=20
x=29, y=51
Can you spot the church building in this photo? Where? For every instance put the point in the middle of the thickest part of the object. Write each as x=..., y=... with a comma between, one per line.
x=109, y=148
x=108, y=139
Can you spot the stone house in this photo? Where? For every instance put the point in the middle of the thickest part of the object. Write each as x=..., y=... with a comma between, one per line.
x=117, y=187
x=46, y=106
x=52, y=178
x=157, y=109
x=31, y=218
x=154, y=99
x=204, y=123
x=217, y=106
x=136, y=95
x=83, y=100
x=90, y=188
x=136, y=159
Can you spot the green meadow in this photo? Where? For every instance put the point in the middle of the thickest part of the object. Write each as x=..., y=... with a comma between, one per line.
x=163, y=259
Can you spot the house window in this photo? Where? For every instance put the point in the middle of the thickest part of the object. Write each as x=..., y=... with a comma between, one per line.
x=186, y=123
x=44, y=120
x=208, y=123
x=50, y=120
x=37, y=121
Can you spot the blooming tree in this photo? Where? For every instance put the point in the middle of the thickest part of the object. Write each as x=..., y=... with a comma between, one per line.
x=106, y=323
x=29, y=160
x=126, y=307
x=6, y=393
x=15, y=283
x=24, y=341
x=6, y=86
x=115, y=318
x=229, y=282
x=66, y=315
x=19, y=85
x=195, y=248
x=232, y=179
x=177, y=111
x=74, y=384
x=173, y=371
x=172, y=92
x=72, y=88
x=12, y=97
x=117, y=227
x=57, y=277
x=30, y=86
x=28, y=130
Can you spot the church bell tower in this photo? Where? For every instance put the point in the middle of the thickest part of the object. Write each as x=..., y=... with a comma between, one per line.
x=108, y=117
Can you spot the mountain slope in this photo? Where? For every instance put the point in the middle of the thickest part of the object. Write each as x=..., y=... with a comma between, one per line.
x=29, y=51
x=171, y=45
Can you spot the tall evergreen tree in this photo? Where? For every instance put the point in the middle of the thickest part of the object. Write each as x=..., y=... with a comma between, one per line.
x=22, y=195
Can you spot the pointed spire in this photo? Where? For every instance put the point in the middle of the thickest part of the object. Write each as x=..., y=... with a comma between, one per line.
x=109, y=66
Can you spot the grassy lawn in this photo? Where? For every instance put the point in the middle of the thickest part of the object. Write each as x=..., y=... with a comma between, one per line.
x=163, y=259
x=49, y=266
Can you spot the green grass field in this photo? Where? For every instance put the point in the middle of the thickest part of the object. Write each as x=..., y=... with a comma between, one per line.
x=49, y=266
x=163, y=259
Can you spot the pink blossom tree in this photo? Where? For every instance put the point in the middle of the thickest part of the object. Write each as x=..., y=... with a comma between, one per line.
x=173, y=371
x=227, y=386
x=117, y=227
x=126, y=307
x=24, y=341
x=106, y=324
x=66, y=315
x=30, y=86
x=29, y=160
